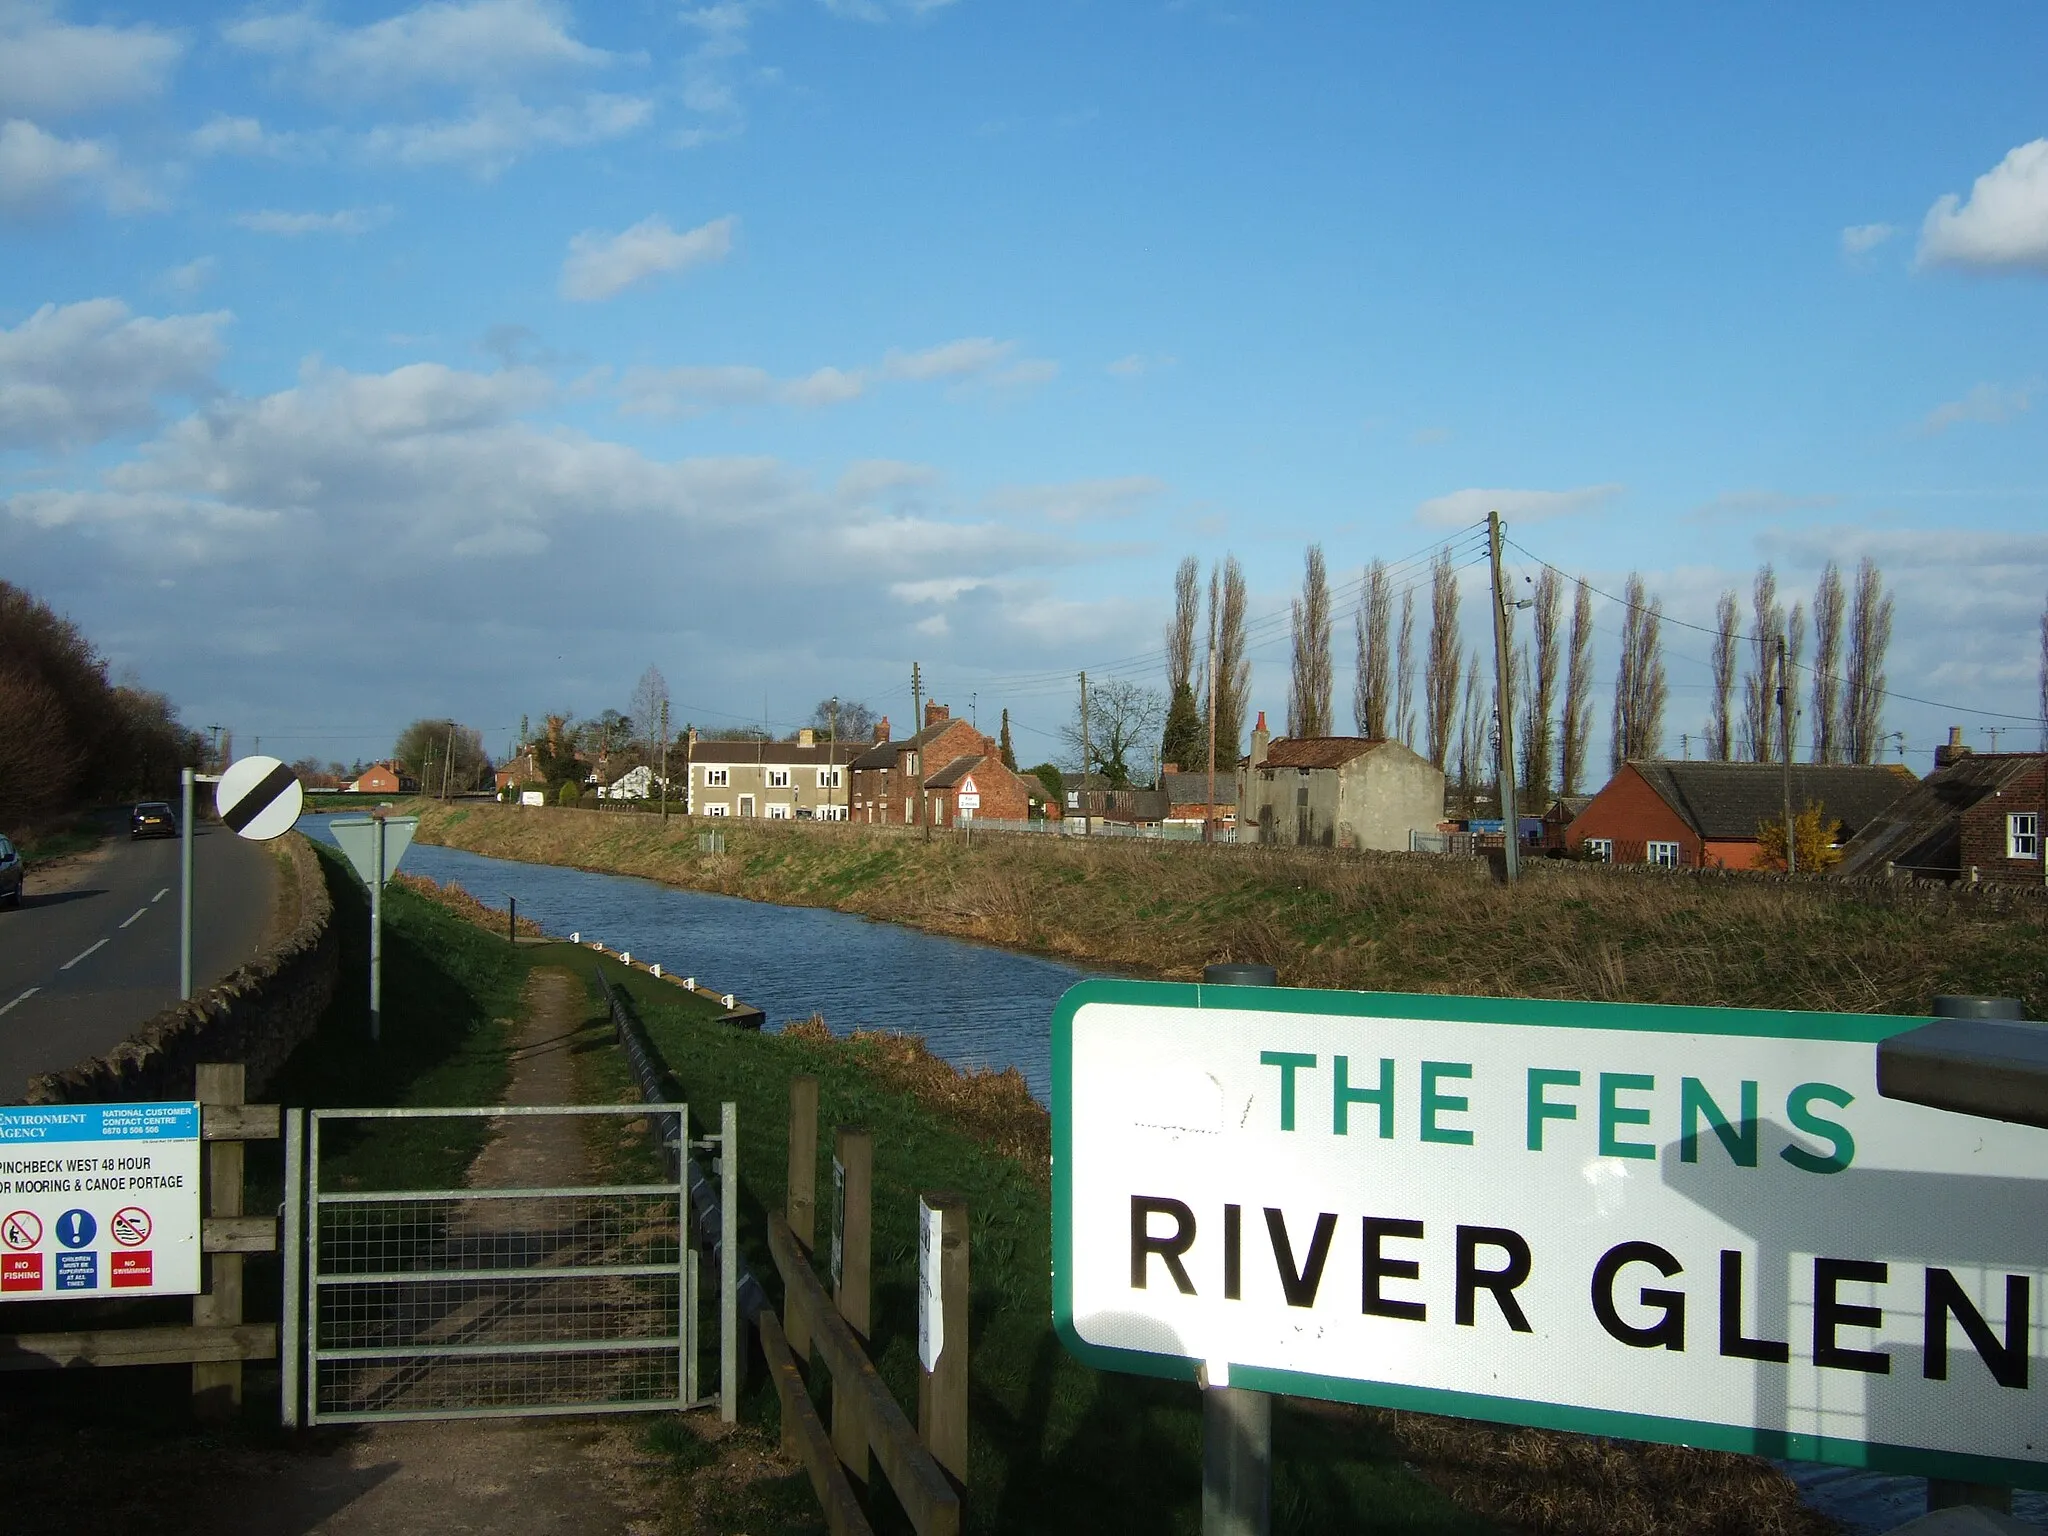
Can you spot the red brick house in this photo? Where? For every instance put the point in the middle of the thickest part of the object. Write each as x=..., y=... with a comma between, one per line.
x=1706, y=815
x=384, y=779
x=1978, y=816
x=920, y=778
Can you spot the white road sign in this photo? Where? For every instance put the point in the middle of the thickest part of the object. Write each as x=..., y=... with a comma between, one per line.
x=99, y=1200
x=259, y=797
x=1692, y=1225
x=357, y=837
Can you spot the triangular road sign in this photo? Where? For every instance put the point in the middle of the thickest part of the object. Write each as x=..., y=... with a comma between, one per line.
x=357, y=838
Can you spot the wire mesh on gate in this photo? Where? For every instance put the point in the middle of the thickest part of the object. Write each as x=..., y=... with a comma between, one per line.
x=497, y=1301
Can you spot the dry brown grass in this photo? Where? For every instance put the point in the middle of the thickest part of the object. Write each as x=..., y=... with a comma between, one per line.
x=463, y=905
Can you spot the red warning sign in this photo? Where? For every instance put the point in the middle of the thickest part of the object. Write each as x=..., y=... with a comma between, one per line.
x=21, y=1271
x=21, y=1230
x=129, y=1270
x=130, y=1226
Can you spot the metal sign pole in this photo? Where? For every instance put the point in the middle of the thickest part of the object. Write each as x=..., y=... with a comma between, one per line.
x=185, y=889
x=377, y=937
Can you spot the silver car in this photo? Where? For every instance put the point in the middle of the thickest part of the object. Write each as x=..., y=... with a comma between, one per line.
x=10, y=874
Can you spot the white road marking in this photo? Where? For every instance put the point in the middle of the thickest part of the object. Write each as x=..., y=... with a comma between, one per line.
x=139, y=912
x=160, y=895
x=81, y=955
x=31, y=992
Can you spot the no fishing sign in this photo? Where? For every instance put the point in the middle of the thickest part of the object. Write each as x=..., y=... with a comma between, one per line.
x=99, y=1200
x=1691, y=1225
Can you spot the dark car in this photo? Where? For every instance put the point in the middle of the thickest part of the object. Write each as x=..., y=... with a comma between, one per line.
x=152, y=818
x=10, y=874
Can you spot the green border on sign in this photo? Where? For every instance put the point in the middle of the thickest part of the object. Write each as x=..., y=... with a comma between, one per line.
x=1763, y=1023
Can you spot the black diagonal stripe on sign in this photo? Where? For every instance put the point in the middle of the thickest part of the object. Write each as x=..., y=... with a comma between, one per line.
x=257, y=801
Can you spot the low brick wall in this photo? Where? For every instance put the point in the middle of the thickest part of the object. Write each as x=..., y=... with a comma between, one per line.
x=258, y=1014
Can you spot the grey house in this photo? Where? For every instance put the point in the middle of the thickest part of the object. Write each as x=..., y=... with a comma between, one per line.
x=1337, y=792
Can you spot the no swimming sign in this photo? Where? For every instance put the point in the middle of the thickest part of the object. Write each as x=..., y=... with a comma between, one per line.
x=1701, y=1226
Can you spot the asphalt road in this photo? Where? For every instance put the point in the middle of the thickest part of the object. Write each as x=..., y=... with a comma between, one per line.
x=92, y=952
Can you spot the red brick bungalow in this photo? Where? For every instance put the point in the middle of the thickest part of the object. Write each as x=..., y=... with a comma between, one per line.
x=1706, y=815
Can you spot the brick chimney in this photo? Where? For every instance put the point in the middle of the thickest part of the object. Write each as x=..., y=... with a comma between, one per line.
x=1953, y=750
x=806, y=737
x=935, y=713
x=882, y=729
x=1260, y=737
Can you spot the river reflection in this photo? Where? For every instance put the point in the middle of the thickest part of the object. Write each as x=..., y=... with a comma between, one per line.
x=975, y=1005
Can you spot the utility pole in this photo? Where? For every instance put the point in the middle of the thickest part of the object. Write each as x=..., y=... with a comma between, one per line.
x=1785, y=736
x=664, y=759
x=448, y=764
x=832, y=760
x=1087, y=816
x=916, y=750
x=1503, y=616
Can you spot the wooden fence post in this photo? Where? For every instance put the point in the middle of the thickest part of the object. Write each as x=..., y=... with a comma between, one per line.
x=802, y=1200
x=853, y=1167
x=942, y=1389
x=217, y=1384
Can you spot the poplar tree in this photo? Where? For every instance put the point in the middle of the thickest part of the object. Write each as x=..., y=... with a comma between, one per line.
x=1184, y=743
x=1639, y=683
x=1539, y=727
x=1727, y=637
x=1576, y=728
x=1870, y=635
x=1760, y=687
x=1375, y=622
x=1009, y=752
x=1227, y=602
x=1404, y=665
x=1308, y=689
x=1828, y=606
x=1445, y=664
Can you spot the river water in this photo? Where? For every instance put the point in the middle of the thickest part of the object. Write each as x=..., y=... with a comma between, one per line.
x=975, y=1005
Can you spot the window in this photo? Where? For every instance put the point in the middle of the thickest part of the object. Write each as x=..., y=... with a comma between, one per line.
x=777, y=811
x=778, y=778
x=828, y=778
x=1601, y=848
x=1664, y=855
x=2023, y=835
x=910, y=762
x=717, y=778
x=718, y=809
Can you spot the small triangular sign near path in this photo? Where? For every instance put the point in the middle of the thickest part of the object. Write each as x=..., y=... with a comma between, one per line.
x=357, y=837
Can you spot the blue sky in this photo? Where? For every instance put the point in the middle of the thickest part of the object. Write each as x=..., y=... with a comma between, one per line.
x=361, y=362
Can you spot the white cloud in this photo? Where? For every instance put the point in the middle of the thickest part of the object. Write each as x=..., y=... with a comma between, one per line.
x=344, y=221
x=190, y=277
x=687, y=391
x=949, y=360
x=75, y=375
x=1430, y=437
x=1862, y=239
x=497, y=132
x=1137, y=364
x=1460, y=508
x=484, y=44
x=51, y=69
x=601, y=266
x=41, y=170
x=1080, y=501
x=224, y=135
x=1991, y=404
x=2003, y=224
x=865, y=478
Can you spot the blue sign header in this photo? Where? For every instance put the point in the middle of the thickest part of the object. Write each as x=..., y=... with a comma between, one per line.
x=43, y=1124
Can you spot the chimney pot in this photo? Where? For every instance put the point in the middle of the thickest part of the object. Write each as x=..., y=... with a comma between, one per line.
x=882, y=729
x=935, y=712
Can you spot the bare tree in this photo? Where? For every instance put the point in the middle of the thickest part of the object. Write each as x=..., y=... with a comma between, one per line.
x=1828, y=608
x=1538, y=727
x=1180, y=633
x=1227, y=603
x=1795, y=654
x=1473, y=722
x=1870, y=635
x=1639, y=683
x=1576, y=728
x=1446, y=661
x=839, y=719
x=1760, y=687
x=649, y=695
x=1123, y=723
x=1375, y=621
x=1308, y=688
x=1727, y=636
x=1404, y=668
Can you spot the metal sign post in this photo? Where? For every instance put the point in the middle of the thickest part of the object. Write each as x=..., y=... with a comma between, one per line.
x=185, y=886
x=1700, y=1226
x=374, y=845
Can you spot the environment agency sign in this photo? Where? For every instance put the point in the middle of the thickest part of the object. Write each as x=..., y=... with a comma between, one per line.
x=1693, y=1225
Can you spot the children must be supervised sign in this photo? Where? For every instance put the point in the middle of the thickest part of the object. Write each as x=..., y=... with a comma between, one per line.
x=99, y=1200
x=1701, y=1226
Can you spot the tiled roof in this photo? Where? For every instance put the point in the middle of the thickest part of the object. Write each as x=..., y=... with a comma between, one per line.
x=1318, y=751
x=779, y=753
x=1921, y=830
x=954, y=772
x=1193, y=788
x=1728, y=801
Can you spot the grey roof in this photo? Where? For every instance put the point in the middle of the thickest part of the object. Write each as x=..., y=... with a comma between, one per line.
x=883, y=753
x=954, y=772
x=1728, y=801
x=779, y=753
x=1921, y=831
x=1193, y=788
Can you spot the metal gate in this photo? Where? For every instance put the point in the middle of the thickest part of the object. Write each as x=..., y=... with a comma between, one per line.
x=510, y=1297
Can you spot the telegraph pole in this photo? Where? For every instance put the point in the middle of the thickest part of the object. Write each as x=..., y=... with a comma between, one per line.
x=664, y=759
x=1503, y=616
x=917, y=752
x=1087, y=816
x=832, y=760
x=1785, y=739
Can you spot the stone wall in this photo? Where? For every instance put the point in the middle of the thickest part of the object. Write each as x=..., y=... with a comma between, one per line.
x=258, y=1014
